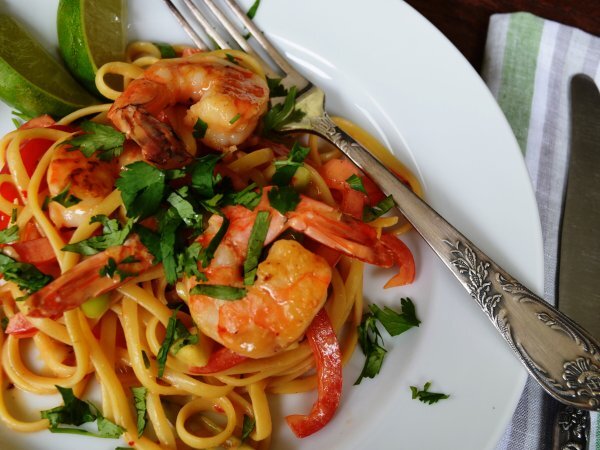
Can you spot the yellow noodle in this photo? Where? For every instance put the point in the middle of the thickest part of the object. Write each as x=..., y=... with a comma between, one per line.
x=196, y=406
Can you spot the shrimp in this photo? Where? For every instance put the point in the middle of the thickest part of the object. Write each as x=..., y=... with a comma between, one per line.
x=228, y=98
x=89, y=180
x=290, y=289
x=291, y=283
x=84, y=281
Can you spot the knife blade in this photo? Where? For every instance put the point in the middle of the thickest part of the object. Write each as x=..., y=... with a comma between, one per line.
x=578, y=286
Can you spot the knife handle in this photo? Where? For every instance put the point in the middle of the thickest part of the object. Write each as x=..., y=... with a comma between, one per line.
x=556, y=351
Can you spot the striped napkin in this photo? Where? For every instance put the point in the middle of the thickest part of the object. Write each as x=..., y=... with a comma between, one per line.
x=528, y=66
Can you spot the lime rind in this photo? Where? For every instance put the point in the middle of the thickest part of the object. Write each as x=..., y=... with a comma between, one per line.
x=81, y=22
x=31, y=80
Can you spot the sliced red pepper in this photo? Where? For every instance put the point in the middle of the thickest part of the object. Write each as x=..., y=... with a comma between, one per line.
x=403, y=258
x=328, y=357
x=219, y=361
x=19, y=327
x=35, y=251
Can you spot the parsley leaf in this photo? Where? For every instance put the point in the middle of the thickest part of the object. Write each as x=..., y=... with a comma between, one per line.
x=77, y=412
x=4, y=323
x=200, y=128
x=282, y=113
x=26, y=276
x=208, y=253
x=276, y=89
x=112, y=236
x=146, y=359
x=112, y=268
x=219, y=291
x=247, y=197
x=142, y=188
x=370, y=339
x=166, y=50
x=355, y=182
x=247, y=427
x=283, y=199
x=371, y=343
x=176, y=337
x=103, y=139
x=139, y=399
x=370, y=213
x=10, y=234
x=425, y=396
x=167, y=225
x=251, y=13
x=203, y=178
x=255, y=245
x=235, y=118
x=187, y=261
x=185, y=209
x=397, y=323
x=64, y=198
x=286, y=169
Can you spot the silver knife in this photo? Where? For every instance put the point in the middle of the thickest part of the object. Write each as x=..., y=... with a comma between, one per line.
x=579, y=262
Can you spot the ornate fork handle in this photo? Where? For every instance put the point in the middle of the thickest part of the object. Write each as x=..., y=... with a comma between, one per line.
x=558, y=353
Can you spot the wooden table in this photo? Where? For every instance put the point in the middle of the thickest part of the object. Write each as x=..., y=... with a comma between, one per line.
x=465, y=22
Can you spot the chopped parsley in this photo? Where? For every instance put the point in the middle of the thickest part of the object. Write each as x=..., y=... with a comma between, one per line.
x=425, y=396
x=77, y=412
x=10, y=234
x=369, y=336
x=283, y=199
x=103, y=139
x=113, y=235
x=208, y=253
x=200, y=128
x=235, y=118
x=139, y=400
x=4, y=323
x=286, y=169
x=26, y=276
x=185, y=209
x=203, y=178
x=168, y=223
x=219, y=291
x=177, y=336
x=145, y=359
x=282, y=113
x=166, y=51
x=247, y=197
x=276, y=89
x=112, y=268
x=142, y=188
x=255, y=245
x=370, y=213
x=247, y=427
x=355, y=182
x=187, y=262
x=64, y=198
x=231, y=58
x=251, y=13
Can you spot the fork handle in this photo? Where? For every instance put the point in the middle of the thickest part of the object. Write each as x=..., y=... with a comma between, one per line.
x=556, y=351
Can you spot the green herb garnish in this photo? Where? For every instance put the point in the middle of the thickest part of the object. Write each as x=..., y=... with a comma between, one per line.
x=247, y=426
x=139, y=400
x=286, y=169
x=112, y=236
x=103, y=139
x=425, y=396
x=370, y=213
x=355, y=182
x=200, y=128
x=26, y=276
x=282, y=113
x=166, y=50
x=255, y=245
x=283, y=199
x=218, y=291
x=142, y=188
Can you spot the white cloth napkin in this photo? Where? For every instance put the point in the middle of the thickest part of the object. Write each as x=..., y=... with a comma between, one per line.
x=528, y=66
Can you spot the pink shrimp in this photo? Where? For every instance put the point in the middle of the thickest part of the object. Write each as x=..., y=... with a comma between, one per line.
x=226, y=97
x=291, y=283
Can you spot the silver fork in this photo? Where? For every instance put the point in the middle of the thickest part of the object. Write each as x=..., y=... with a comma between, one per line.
x=553, y=348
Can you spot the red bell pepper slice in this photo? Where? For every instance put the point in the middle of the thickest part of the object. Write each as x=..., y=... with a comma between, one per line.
x=20, y=327
x=403, y=258
x=328, y=357
x=35, y=251
x=219, y=361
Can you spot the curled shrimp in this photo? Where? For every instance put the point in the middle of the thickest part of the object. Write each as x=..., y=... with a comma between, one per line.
x=86, y=182
x=291, y=283
x=227, y=97
x=84, y=281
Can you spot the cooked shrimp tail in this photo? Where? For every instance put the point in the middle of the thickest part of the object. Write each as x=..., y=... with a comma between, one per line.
x=85, y=281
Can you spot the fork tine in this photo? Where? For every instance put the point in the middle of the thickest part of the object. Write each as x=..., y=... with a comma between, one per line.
x=186, y=26
x=230, y=27
x=208, y=28
x=262, y=40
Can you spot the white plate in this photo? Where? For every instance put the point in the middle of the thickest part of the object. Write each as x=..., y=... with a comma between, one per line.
x=386, y=67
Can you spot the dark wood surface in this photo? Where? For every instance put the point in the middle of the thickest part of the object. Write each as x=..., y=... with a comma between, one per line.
x=465, y=22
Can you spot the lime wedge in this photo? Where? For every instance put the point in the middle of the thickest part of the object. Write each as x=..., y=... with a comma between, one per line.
x=90, y=34
x=31, y=80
